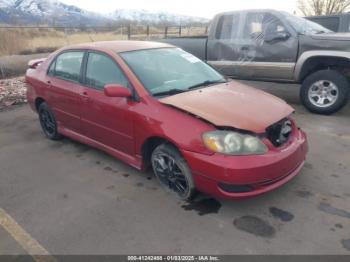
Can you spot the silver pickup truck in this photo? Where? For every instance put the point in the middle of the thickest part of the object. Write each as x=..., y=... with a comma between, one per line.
x=271, y=45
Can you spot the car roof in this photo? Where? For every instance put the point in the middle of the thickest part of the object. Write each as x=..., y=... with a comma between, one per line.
x=120, y=46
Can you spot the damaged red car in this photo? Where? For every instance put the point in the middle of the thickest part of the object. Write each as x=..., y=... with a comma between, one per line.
x=154, y=105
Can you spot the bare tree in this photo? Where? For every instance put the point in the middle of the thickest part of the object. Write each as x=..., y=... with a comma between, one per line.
x=323, y=7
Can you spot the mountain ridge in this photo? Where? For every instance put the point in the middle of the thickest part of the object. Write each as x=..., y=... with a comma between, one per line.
x=56, y=13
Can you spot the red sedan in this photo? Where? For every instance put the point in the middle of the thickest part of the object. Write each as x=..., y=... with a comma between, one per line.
x=152, y=104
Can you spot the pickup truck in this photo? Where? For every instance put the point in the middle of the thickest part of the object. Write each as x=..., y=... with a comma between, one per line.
x=276, y=46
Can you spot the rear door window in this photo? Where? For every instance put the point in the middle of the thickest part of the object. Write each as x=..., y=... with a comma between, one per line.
x=228, y=26
x=68, y=65
x=102, y=70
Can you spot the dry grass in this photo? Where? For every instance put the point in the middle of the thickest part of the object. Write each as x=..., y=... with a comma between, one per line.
x=36, y=40
x=11, y=42
x=72, y=38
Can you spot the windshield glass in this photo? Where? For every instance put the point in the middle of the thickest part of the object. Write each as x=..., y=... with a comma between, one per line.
x=304, y=26
x=167, y=71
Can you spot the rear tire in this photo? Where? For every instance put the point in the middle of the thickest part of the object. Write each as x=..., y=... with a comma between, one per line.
x=48, y=122
x=172, y=171
x=325, y=92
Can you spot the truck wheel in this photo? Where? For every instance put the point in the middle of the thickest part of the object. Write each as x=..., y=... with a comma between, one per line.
x=325, y=92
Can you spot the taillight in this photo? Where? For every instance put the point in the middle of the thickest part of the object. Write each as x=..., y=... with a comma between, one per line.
x=35, y=65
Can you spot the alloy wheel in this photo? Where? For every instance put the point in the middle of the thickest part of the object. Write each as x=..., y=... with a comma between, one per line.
x=323, y=93
x=169, y=174
x=47, y=122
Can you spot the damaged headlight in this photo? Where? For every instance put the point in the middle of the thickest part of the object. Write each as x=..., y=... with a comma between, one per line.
x=233, y=143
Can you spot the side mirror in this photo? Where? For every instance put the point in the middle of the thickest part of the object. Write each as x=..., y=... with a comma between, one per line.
x=283, y=35
x=279, y=36
x=115, y=90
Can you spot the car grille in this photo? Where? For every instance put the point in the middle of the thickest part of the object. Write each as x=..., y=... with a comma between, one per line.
x=279, y=133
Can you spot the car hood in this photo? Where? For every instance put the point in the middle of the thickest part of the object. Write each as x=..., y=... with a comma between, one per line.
x=332, y=36
x=232, y=105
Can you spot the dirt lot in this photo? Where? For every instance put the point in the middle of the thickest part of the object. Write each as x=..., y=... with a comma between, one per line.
x=67, y=198
x=12, y=92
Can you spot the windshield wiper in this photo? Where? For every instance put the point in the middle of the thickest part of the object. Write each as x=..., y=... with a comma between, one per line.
x=206, y=83
x=170, y=92
x=178, y=91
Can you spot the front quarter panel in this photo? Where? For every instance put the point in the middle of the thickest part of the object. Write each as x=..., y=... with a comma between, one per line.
x=154, y=119
x=317, y=46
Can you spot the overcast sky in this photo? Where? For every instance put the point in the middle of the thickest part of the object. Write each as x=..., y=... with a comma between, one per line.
x=202, y=8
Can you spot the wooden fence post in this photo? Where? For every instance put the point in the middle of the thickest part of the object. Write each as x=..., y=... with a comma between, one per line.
x=129, y=32
x=166, y=32
x=180, y=30
x=2, y=72
x=147, y=32
x=66, y=36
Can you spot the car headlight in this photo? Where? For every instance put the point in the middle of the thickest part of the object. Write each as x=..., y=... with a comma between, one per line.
x=233, y=143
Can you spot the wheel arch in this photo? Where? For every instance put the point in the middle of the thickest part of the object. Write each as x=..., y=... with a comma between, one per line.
x=312, y=61
x=38, y=102
x=152, y=143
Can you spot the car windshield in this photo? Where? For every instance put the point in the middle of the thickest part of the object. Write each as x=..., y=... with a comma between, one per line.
x=168, y=71
x=304, y=26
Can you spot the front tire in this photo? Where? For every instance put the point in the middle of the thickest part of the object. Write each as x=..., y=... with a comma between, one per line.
x=48, y=122
x=325, y=92
x=172, y=171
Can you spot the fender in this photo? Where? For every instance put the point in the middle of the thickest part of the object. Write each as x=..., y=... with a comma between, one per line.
x=316, y=53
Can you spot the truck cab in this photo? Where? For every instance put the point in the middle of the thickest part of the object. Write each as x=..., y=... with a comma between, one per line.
x=254, y=44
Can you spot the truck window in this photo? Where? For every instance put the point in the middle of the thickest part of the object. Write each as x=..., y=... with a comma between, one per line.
x=228, y=26
x=259, y=24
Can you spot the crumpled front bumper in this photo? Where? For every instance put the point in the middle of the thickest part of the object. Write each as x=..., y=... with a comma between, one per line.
x=235, y=177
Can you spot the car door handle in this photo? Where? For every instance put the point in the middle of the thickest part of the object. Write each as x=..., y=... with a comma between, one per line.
x=85, y=96
x=245, y=48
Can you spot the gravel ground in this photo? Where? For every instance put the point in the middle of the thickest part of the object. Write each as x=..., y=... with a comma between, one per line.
x=12, y=92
